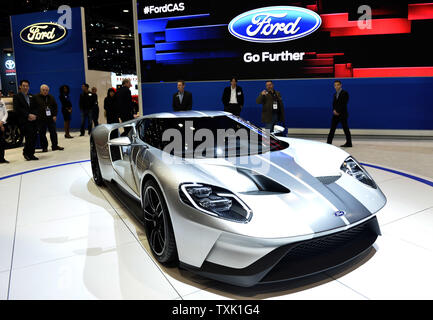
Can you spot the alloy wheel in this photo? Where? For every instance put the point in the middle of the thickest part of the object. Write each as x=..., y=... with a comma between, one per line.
x=154, y=218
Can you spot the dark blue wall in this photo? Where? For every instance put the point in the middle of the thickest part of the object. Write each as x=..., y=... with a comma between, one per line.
x=56, y=64
x=375, y=103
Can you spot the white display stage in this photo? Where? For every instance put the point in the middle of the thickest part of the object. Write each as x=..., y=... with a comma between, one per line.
x=62, y=237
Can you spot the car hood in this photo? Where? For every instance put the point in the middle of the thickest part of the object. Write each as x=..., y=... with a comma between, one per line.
x=310, y=204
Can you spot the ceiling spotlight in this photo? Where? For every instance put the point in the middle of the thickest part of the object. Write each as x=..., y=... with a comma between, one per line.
x=126, y=10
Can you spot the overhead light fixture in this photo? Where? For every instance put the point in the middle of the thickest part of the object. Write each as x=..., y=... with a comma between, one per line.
x=126, y=10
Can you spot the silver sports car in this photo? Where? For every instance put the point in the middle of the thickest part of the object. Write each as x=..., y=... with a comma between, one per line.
x=232, y=202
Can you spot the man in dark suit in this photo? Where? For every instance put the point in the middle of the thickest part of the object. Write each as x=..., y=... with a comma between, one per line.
x=86, y=106
x=47, y=117
x=182, y=100
x=233, y=98
x=273, y=107
x=27, y=116
x=124, y=103
x=340, y=114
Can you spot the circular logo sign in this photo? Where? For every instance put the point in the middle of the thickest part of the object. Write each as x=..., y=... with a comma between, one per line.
x=275, y=24
x=10, y=64
x=43, y=33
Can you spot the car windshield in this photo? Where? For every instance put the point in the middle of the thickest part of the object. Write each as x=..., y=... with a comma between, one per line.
x=208, y=137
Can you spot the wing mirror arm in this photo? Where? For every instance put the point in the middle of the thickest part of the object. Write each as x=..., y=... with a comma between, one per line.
x=120, y=142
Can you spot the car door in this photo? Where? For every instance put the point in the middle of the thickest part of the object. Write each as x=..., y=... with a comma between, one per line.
x=124, y=164
x=139, y=160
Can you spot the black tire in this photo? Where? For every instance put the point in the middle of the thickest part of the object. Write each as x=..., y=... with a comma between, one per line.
x=13, y=136
x=97, y=176
x=159, y=229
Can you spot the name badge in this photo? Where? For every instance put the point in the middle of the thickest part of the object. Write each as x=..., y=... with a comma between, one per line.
x=239, y=93
x=48, y=112
x=275, y=105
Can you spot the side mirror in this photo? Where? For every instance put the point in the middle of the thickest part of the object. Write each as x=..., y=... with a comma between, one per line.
x=278, y=129
x=120, y=142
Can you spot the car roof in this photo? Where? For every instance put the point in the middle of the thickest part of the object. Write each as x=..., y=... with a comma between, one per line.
x=186, y=114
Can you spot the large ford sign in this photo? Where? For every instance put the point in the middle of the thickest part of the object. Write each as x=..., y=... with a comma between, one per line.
x=275, y=24
x=43, y=33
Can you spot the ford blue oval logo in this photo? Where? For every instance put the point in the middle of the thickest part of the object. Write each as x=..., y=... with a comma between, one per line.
x=340, y=213
x=275, y=24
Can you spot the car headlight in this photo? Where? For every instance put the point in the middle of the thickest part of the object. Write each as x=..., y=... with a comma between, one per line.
x=215, y=201
x=354, y=169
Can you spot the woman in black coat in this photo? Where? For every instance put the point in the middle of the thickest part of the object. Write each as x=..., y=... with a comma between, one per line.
x=66, y=109
x=110, y=107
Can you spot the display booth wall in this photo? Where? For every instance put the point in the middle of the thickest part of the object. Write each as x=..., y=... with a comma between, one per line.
x=375, y=103
x=56, y=64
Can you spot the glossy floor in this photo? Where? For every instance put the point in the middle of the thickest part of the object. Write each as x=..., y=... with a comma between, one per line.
x=62, y=237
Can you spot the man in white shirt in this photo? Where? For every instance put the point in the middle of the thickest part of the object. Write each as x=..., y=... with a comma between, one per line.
x=233, y=98
x=3, y=118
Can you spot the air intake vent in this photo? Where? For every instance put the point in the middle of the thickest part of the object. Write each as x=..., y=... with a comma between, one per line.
x=328, y=179
x=263, y=183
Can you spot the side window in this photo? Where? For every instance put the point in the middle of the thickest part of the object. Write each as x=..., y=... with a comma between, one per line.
x=142, y=129
x=150, y=132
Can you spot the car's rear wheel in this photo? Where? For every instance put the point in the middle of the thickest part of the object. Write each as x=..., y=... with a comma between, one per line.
x=96, y=171
x=158, y=225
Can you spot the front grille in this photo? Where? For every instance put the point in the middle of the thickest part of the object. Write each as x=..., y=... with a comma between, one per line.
x=320, y=254
x=327, y=243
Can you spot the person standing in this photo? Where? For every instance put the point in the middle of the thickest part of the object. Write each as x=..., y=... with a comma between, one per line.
x=95, y=107
x=47, y=117
x=65, y=100
x=110, y=107
x=340, y=114
x=86, y=109
x=182, y=99
x=27, y=118
x=273, y=107
x=3, y=118
x=124, y=101
x=233, y=98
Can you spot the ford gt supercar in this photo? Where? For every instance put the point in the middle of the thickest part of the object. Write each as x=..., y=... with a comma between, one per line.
x=232, y=202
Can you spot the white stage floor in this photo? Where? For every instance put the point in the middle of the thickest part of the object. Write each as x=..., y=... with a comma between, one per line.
x=62, y=237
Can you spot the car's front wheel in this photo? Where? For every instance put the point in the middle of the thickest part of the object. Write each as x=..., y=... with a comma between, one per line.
x=158, y=225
